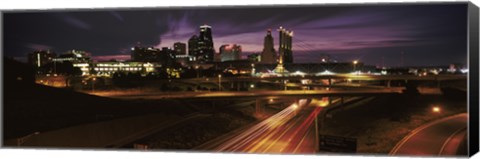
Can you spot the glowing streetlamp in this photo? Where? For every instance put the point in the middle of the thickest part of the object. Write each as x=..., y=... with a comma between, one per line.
x=355, y=65
x=253, y=69
x=93, y=84
x=436, y=109
x=219, y=82
x=196, y=69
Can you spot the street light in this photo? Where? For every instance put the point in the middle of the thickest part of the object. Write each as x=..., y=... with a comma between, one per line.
x=93, y=84
x=219, y=82
x=253, y=69
x=196, y=69
x=355, y=65
x=436, y=109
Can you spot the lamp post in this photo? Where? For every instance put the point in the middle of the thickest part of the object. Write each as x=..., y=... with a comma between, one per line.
x=253, y=69
x=219, y=82
x=93, y=84
x=196, y=69
x=354, y=65
x=436, y=109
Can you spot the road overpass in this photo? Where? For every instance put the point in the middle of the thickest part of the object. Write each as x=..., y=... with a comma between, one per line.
x=329, y=80
x=263, y=94
x=356, y=77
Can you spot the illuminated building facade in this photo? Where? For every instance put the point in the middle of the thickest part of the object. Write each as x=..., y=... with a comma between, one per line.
x=78, y=58
x=285, y=45
x=109, y=68
x=268, y=55
x=145, y=54
x=165, y=56
x=193, y=45
x=184, y=60
x=40, y=58
x=230, y=52
x=180, y=48
x=202, y=46
x=74, y=56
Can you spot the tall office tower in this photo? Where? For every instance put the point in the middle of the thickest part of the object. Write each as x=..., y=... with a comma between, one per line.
x=268, y=54
x=206, y=33
x=166, y=56
x=180, y=48
x=230, y=52
x=193, y=46
x=205, y=44
x=285, y=45
x=40, y=57
x=201, y=47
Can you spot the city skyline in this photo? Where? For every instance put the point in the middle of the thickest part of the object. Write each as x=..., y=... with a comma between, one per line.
x=372, y=34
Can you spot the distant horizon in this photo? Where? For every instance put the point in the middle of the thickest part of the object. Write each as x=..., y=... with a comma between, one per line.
x=366, y=64
x=434, y=34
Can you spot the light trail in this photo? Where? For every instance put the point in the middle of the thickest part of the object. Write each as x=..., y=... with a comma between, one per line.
x=261, y=128
x=288, y=131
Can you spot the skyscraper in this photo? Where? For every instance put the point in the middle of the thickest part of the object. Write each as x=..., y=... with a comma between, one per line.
x=206, y=33
x=180, y=48
x=268, y=54
x=205, y=44
x=201, y=47
x=230, y=52
x=285, y=45
x=193, y=46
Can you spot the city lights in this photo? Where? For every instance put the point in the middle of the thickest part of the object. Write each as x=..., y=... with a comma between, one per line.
x=342, y=84
x=436, y=109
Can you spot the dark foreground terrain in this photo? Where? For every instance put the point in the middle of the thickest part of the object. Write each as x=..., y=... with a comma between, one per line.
x=29, y=108
x=379, y=124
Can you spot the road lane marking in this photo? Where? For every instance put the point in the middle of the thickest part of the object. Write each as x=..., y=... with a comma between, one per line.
x=449, y=139
x=417, y=130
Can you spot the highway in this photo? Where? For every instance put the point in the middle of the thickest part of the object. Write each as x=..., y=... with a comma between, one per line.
x=356, y=77
x=222, y=95
x=443, y=137
x=289, y=131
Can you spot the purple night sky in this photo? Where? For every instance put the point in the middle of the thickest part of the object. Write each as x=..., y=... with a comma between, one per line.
x=426, y=34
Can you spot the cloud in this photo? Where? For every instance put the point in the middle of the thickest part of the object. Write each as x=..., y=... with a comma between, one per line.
x=75, y=22
x=179, y=30
x=38, y=46
x=117, y=16
x=109, y=57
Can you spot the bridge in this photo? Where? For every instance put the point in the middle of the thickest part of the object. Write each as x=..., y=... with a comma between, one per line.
x=225, y=95
x=359, y=77
x=329, y=80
